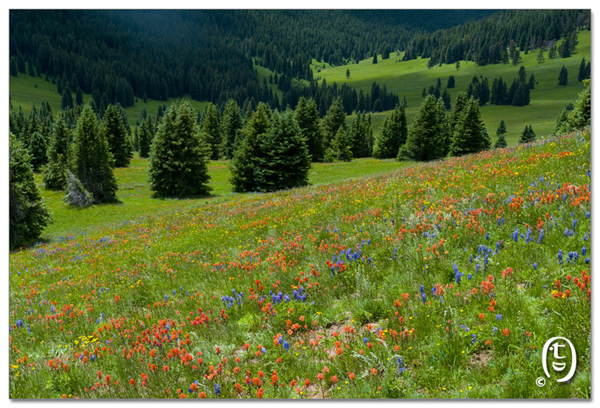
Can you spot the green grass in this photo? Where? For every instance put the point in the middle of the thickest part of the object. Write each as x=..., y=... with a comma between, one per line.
x=410, y=77
x=136, y=199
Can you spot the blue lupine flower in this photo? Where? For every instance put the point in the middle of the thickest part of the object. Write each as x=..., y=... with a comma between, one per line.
x=422, y=289
x=587, y=260
x=499, y=317
x=487, y=236
x=585, y=236
x=166, y=298
x=174, y=292
x=93, y=357
x=535, y=266
x=469, y=276
x=515, y=235
x=495, y=329
x=473, y=338
x=217, y=390
x=560, y=257
x=365, y=340
x=583, y=251
x=20, y=323
x=400, y=366
x=423, y=297
x=286, y=345
x=587, y=214
x=541, y=236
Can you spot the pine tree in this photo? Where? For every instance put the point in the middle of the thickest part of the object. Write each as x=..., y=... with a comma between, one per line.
x=37, y=147
x=78, y=97
x=361, y=136
x=212, y=131
x=428, y=134
x=179, y=155
x=579, y=117
x=92, y=163
x=332, y=121
x=457, y=111
x=54, y=175
x=470, y=135
x=451, y=82
x=116, y=134
x=501, y=128
x=231, y=126
x=563, y=76
x=283, y=160
x=245, y=156
x=67, y=99
x=540, y=57
x=527, y=135
x=339, y=149
x=375, y=58
x=392, y=135
x=145, y=137
x=532, y=81
x=582, y=71
x=307, y=116
x=446, y=99
x=28, y=213
x=501, y=142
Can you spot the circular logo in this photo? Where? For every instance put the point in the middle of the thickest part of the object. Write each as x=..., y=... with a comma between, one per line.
x=540, y=382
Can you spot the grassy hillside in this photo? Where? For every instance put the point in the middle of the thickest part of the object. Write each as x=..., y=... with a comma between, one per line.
x=26, y=90
x=439, y=280
x=136, y=200
x=410, y=77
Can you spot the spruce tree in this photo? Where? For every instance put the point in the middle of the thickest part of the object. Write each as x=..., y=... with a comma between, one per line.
x=13, y=68
x=78, y=97
x=283, y=160
x=179, y=155
x=116, y=135
x=470, y=135
x=245, y=155
x=67, y=99
x=563, y=76
x=37, y=147
x=339, y=149
x=582, y=71
x=92, y=163
x=231, y=126
x=428, y=135
x=532, y=81
x=332, y=121
x=28, y=213
x=459, y=107
x=451, y=82
x=501, y=128
x=212, y=131
x=54, y=175
x=361, y=136
x=392, y=135
x=145, y=137
x=527, y=135
x=446, y=99
x=307, y=116
x=501, y=142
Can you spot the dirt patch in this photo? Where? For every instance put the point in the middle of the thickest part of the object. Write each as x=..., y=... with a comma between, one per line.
x=481, y=359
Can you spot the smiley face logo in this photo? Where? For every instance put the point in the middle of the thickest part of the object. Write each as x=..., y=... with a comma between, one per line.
x=557, y=345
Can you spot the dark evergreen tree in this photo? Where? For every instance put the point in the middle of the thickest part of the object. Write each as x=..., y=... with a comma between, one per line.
x=451, y=82
x=116, y=135
x=283, y=160
x=28, y=213
x=527, y=135
x=145, y=137
x=179, y=155
x=392, y=135
x=428, y=136
x=501, y=128
x=67, y=99
x=37, y=147
x=307, y=116
x=375, y=58
x=78, y=97
x=457, y=111
x=577, y=118
x=563, y=76
x=501, y=142
x=231, y=125
x=212, y=131
x=332, y=121
x=582, y=71
x=245, y=156
x=339, y=149
x=470, y=135
x=361, y=136
x=92, y=163
x=54, y=175
x=446, y=99
x=532, y=82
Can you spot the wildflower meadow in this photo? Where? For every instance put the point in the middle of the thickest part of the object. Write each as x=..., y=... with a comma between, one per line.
x=439, y=280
